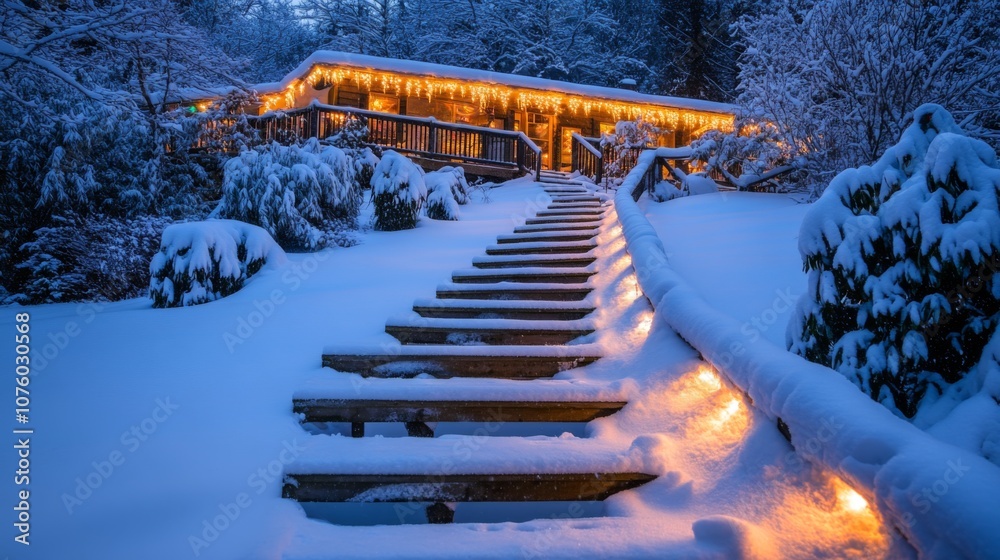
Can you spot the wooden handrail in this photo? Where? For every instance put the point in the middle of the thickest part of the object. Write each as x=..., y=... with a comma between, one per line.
x=425, y=136
x=586, y=158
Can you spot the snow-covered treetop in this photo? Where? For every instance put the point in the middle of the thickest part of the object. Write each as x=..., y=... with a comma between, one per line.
x=860, y=191
x=335, y=58
x=395, y=174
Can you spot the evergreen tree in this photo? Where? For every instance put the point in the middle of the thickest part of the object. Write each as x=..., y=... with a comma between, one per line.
x=904, y=265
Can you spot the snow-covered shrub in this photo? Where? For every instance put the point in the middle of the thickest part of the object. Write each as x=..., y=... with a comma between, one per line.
x=459, y=185
x=752, y=152
x=97, y=258
x=904, y=265
x=398, y=191
x=290, y=191
x=200, y=262
x=447, y=189
x=698, y=183
x=664, y=191
x=351, y=138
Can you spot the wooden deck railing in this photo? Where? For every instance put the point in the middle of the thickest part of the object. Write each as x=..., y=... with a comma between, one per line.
x=426, y=137
x=649, y=171
x=586, y=157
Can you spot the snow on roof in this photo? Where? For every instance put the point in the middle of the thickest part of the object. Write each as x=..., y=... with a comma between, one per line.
x=335, y=58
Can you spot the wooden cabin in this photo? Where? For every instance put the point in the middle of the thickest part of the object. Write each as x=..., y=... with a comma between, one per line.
x=547, y=111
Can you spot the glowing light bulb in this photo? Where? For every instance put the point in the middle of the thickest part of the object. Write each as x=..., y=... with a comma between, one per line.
x=849, y=500
x=727, y=412
x=710, y=379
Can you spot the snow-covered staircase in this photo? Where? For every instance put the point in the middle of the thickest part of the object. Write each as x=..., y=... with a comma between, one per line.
x=514, y=316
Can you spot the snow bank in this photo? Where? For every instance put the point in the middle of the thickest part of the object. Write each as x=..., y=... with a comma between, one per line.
x=399, y=192
x=940, y=497
x=199, y=262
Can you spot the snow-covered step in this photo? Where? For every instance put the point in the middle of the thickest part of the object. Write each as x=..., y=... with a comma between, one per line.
x=466, y=389
x=546, y=236
x=565, y=220
x=532, y=248
x=424, y=470
x=575, y=199
x=415, y=413
x=554, y=193
x=535, y=291
x=557, y=227
x=505, y=362
x=533, y=275
x=522, y=261
x=503, y=309
x=572, y=212
x=576, y=204
x=561, y=182
x=414, y=329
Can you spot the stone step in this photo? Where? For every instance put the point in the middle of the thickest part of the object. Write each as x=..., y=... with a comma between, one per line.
x=523, y=261
x=414, y=329
x=546, y=236
x=502, y=362
x=510, y=291
x=502, y=309
x=532, y=275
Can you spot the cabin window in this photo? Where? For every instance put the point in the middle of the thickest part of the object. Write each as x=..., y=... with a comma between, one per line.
x=351, y=98
x=383, y=103
x=540, y=132
x=566, y=155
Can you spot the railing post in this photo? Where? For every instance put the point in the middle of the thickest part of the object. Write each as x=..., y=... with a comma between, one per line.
x=432, y=138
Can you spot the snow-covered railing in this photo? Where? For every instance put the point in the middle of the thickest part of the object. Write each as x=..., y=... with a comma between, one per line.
x=653, y=166
x=586, y=157
x=943, y=499
x=423, y=136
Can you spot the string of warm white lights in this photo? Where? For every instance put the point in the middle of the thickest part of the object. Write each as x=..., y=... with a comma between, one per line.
x=500, y=95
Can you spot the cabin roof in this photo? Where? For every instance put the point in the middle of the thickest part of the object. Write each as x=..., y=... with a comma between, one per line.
x=336, y=58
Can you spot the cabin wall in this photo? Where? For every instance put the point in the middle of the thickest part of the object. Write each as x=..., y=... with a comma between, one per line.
x=551, y=132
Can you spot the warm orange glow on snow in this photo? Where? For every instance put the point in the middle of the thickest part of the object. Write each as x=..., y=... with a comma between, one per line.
x=645, y=322
x=852, y=501
x=709, y=379
x=713, y=412
x=831, y=512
